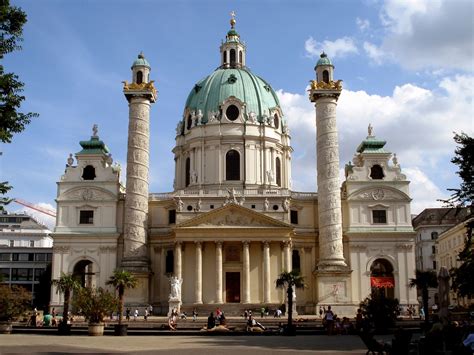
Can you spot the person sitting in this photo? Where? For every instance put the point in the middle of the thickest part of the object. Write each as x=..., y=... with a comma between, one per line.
x=183, y=315
x=211, y=321
x=172, y=321
x=252, y=323
x=222, y=320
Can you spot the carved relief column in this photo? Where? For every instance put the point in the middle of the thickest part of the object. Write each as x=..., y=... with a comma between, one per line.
x=266, y=272
x=198, y=286
x=178, y=261
x=246, y=273
x=218, y=272
x=325, y=93
x=140, y=95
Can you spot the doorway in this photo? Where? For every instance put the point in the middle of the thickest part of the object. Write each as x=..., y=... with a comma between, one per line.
x=232, y=287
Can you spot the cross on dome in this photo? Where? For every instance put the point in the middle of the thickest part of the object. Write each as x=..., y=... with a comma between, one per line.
x=232, y=20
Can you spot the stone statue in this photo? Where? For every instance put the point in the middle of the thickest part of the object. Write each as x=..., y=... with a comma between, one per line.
x=175, y=289
x=270, y=176
x=179, y=204
x=193, y=118
x=70, y=160
x=370, y=130
x=348, y=169
x=395, y=159
x=242, y=201
x=198, y=206
x=286, y=205
x=212, y=116
x=194, y=177
x=199, y=117
x=266, y=204
x=109, y=160
x=95, y=130
x=253, y=117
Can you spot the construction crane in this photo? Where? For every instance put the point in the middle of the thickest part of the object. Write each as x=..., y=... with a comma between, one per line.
x=34, y=207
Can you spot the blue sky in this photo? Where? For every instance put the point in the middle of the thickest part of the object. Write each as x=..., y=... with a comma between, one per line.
x=407, y=68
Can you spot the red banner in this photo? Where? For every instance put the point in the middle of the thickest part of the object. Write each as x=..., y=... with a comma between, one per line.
x=382, y=282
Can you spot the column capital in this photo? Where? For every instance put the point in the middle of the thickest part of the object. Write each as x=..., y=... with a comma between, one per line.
x=287, y=244
x=178, y=243
x=198, y=243
x=245, y=243
x=219, y=243
x=265, y=243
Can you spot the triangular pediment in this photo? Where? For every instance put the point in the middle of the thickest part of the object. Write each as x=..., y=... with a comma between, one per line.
x=234, y=216
x=378, y=193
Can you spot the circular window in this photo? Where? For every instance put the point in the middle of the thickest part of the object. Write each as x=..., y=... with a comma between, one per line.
x=275, y=207
x=190, y=208
x=232, y=112
x=276, y=121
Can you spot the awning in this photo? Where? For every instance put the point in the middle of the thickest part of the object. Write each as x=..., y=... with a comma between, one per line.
x=382, y=282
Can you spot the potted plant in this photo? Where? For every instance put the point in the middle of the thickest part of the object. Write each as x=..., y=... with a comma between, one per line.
x=290, y=280
x=14, y=301
x=122, y=280
x=66, y=284
x=94, y=304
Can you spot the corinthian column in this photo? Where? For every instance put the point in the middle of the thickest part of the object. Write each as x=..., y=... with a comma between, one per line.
x=198, y=288
x=218, y=272
x=266, y=272
x=178, y=261
x=246, y=273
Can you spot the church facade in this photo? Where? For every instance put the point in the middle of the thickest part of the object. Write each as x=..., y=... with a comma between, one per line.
x=232, y=223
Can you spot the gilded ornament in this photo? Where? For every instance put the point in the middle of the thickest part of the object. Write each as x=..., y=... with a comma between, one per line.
x=322, y=85
x=139, y=87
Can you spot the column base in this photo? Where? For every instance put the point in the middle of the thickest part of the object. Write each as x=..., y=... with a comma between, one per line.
x=135, y=265
x=334, y=288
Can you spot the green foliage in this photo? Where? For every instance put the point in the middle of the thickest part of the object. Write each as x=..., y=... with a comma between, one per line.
x=122, y=280
x=380, y=311
x=462, y=278
x=14, y=301
x=65, y=285
x=290, y=280
x=423, y=281
x=95, y=303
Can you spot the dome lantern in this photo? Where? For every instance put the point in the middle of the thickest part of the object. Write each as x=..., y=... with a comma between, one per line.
x=324, y=69
x=232, y=50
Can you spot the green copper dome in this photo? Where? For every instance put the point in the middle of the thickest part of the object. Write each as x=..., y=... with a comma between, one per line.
x=93, y=146
x=141, y=61
x=324, y=60
x=209, y=93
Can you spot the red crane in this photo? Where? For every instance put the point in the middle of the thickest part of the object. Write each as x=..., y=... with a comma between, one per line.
x=34, y=207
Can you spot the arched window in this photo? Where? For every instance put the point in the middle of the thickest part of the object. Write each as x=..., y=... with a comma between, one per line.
x=278, y=171
x=88, y=173
x=276, y=121
x=326, y=76
x=188, y=171
x=189, y=122
x=224, y=57
x=376, y=172
x=232, y=57
x=381, y=278
x=84, y=272
x=232, y=165
x=139, y=77
x=240, y=57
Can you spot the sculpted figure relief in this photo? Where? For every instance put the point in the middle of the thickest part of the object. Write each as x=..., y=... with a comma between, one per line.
x=175, y=288
x=252, y=117
x=199, y=116
x=70, y=160
x=179, y=204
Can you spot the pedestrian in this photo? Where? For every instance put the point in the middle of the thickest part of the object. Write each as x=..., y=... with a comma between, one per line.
x=262, y=312
x=320, y=312
x=127, y=314
x=150, y=310
x=145, y=315
x=246, y=314
x=195, y=314
x=211, y=321
x=329, y=320
x=135, y=314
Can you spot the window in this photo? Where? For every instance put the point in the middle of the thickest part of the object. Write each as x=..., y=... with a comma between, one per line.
x=88, y=173
x=38, y=274
x=32, y=243
x=232, y=57
x=171, y=216
x=434, y=235
x=326, y=76
x=189, y=122
x=224, y=57
x=434, y=264
x=139, y=77
x=22, y=274
x=169, y=262
x=232, y=165
x=278, y=171
x=295, y=260
x=276, y=121
x=433, y=249
x=86, y=217
x=23, y=256
x=12, y=243
x=5, y=273
x=188, y=171
x=376, y=172
x=40, y=257
x=240, y=57
x=232, y=112
x=379, y=216
x=294, y=217
x=5, y=256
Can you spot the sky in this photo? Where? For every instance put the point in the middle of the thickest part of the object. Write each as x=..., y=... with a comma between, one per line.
x=407, y=68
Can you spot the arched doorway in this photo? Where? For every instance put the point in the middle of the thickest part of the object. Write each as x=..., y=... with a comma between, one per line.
x=381, y=278
x=84, y=272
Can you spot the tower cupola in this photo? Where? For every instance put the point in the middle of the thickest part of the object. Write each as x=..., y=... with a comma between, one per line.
x=233, y=49
x=324, y=69
x=141, y=70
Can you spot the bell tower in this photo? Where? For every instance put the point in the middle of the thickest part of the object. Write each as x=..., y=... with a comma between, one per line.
x=140, y=94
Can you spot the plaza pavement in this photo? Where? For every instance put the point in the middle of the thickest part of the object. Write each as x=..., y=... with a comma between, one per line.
x=181, y=344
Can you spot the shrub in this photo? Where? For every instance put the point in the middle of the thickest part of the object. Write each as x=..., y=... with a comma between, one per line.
x=95, y=303
x=379, y=311
x=14, y=302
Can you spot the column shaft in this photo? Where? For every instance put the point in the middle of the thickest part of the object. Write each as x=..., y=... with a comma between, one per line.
x=178, y=261
x=287, y=253
x=219, y=272
x=198, y=288
x=266, y=272
x=246, y=273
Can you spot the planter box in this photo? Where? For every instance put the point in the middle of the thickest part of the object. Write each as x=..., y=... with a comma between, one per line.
x=96, y=329
x=6, y=327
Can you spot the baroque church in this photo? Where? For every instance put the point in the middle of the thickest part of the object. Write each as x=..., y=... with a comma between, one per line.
x=233, y=223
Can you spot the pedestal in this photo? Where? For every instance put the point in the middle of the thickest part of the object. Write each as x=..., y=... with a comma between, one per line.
x=335, y=290
x=174, y=304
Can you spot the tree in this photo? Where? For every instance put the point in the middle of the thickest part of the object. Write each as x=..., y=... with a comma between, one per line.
x=463, y=277
x=380, y=311
x=95, y=303
x=14, y=301
x=288, y=281
x=423, y=281
x=122, y=280
x=12, y=20
x=65, y=285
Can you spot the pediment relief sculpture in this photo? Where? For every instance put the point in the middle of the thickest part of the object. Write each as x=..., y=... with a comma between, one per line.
x=87, y=194
x=378, y=194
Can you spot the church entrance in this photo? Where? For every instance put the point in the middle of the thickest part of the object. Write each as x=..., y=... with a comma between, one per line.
x=381, y=278
x=83, y=270
x=232, y=287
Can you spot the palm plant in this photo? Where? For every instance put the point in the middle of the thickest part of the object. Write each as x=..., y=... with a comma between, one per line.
x=290, y=280
x=122, y=280
x=422, y=281
x=66, y=284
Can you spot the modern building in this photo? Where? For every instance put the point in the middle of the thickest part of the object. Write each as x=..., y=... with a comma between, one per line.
x=233, y=222
x=449, y=244
x=26, y=248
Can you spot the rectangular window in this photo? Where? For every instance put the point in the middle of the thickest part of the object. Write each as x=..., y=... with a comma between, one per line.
x=433, y=249
x=294, y=217
x=434, y=264
x=379, y=216
x=86, y=217
x=5, y=273
x=22, y=274
x=12, y=243
x=5, y=256
x=40, y=257
x=172, y=217
x=38, y=273
x=32, y=243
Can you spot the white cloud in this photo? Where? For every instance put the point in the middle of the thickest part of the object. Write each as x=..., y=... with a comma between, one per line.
x=374, y=53
x=363, y=24
x=417, y=124
x=41, y=217
x=429, y=33
x=338, y=48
